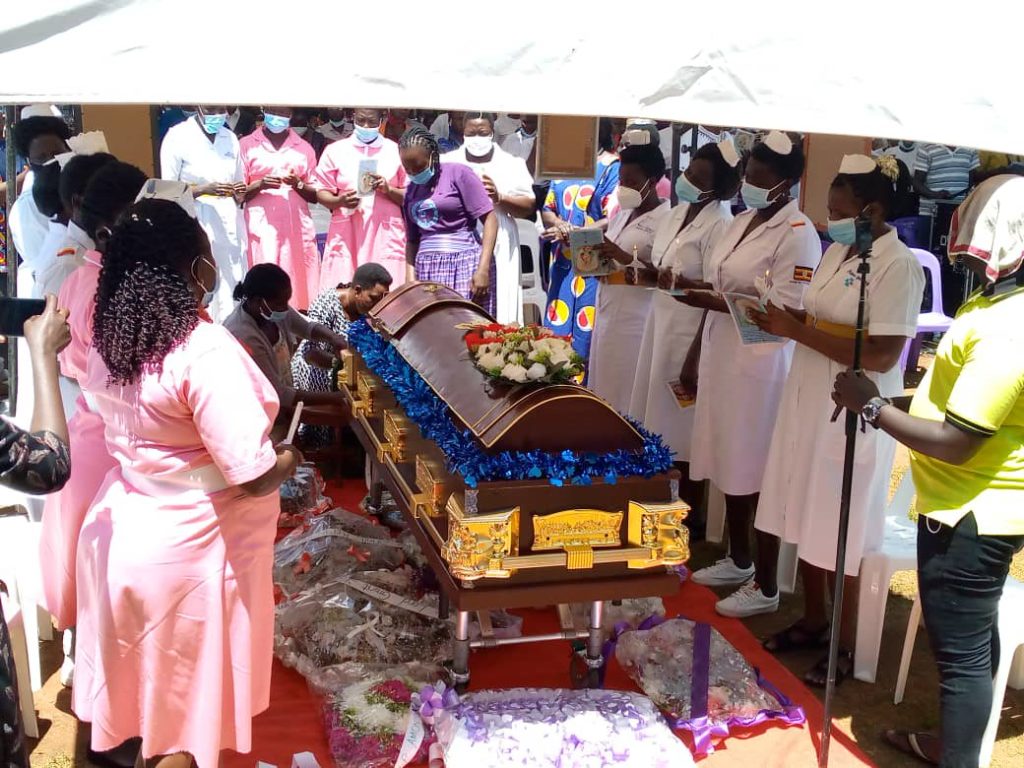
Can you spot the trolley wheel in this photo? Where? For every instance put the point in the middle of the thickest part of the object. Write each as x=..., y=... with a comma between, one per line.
x=453, y=680
x=581, y=673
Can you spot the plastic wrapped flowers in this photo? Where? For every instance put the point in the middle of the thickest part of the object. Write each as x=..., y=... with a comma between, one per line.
x=372, y=618
x=700, y=681
x=553, y=728
x=327, y=545
x=302, y=496
x=366, y=720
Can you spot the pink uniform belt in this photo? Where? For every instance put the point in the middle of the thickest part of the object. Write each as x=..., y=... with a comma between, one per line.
x=208, y=479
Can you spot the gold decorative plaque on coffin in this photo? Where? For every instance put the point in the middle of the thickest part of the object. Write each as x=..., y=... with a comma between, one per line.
x=576, y=528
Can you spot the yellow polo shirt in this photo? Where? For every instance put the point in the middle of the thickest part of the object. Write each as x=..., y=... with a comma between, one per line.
x=977, y=384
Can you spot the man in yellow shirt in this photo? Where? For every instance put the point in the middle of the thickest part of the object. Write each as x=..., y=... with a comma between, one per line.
x=965, y=430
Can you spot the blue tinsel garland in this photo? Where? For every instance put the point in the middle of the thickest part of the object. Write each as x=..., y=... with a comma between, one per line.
x=461, y=449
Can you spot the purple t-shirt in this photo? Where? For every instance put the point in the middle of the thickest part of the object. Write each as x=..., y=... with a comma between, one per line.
x=450, y=209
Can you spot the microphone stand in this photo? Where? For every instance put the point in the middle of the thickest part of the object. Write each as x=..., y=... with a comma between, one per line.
x=864, y=242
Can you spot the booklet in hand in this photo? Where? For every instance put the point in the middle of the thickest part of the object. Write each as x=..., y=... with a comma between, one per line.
x=367, y=168
x=739, y=305
x=585, y=246
x=682, y=400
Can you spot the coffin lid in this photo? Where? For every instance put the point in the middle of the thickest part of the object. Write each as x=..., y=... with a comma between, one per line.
x=421, y=321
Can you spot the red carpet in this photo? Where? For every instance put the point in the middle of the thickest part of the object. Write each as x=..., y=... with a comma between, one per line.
x=292, y=724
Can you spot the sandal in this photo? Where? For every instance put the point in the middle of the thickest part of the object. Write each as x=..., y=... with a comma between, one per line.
x=796, y=638
x=909, y=743
x=817, y=675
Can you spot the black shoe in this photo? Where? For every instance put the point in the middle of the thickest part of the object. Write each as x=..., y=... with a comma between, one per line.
x=119, y=757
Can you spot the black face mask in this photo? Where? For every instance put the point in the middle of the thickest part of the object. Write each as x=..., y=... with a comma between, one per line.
x=36, y=167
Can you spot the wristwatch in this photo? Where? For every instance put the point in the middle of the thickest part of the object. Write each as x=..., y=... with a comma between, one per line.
x=300, y=186
x=872, y=408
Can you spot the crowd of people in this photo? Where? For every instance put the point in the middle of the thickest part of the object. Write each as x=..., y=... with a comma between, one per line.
x=200, y=313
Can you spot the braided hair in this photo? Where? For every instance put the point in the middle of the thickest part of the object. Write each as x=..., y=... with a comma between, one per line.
x=418, y=136
x=145, y=305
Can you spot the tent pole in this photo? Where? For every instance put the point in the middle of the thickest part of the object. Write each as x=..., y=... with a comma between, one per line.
x=12, y=255
x=677, y=134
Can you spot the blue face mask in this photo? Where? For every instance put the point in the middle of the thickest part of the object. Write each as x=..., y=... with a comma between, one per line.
x=367, y=135
x=843, y=231
x=272, y=315
x=423, y=176
x=758, y=197
x=276, y=123
x=213, y=123
x=687, y=191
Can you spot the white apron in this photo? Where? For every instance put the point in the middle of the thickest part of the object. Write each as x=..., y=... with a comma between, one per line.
x=801, y=492
x=671, y=325
x=739, y=387
x=621, y=314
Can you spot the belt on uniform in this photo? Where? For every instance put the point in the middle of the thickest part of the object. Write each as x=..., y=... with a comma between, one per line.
x=832, y=329
x=208, y=479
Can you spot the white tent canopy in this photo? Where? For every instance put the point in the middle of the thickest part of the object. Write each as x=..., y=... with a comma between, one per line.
x=917, y=70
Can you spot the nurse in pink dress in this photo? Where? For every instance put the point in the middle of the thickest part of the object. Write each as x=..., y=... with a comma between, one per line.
x=111, y=190
x=279, y=166
x=367, y=224
x=175, y=617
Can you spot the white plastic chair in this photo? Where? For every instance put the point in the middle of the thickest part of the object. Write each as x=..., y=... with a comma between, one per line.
x=19, y=569
x=935, y=319
x=19, y=649
x=530, y=279
x=1011, y=658
x=897, y=553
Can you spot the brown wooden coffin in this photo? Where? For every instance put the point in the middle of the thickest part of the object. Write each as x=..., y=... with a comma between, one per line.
x=422, y=320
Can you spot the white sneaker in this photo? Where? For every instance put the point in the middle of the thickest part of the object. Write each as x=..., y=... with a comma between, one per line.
x=746, y=601
x=67, y=667
x=724, y=573
x=67, y=672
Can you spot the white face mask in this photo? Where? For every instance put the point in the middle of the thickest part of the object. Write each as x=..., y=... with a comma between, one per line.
x=629, y=198
x=478, y=146
x=207, y=294
x=301, y=130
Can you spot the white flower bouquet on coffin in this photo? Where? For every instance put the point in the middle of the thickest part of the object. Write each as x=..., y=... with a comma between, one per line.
x=529, y=354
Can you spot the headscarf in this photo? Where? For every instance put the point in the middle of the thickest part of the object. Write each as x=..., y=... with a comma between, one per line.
x=989, y=225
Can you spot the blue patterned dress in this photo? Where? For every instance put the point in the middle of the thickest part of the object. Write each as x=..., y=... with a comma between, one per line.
x=571, y=298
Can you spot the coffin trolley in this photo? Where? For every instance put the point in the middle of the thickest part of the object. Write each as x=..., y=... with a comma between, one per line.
x=506, y=543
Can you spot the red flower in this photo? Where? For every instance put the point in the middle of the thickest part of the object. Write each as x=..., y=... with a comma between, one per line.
x=361, y=555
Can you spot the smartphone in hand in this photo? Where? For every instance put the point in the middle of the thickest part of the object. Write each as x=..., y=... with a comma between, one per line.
x=14, y=313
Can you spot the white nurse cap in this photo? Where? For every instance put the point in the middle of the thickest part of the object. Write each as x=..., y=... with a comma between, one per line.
x=779, y=143
x=857, y=164
x=40, y=110
x=90, y=143
x=176, y=192
x=729, y=152
x=62, y=159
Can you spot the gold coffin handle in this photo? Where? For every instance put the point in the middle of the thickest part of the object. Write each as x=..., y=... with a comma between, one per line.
x=659, y=528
